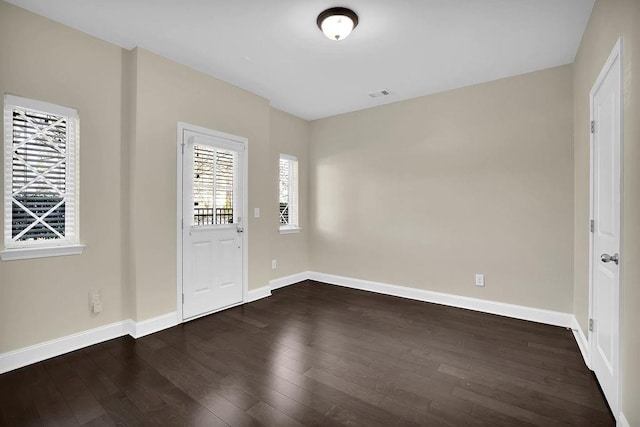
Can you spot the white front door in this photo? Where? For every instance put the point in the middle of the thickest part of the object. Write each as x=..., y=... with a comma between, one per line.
x=212, y=231
x=606, y=205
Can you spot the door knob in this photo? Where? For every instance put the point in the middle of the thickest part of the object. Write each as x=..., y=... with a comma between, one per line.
x=609, y=258
x=240, y=230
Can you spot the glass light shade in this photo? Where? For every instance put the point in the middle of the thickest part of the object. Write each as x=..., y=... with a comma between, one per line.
x=337, y=27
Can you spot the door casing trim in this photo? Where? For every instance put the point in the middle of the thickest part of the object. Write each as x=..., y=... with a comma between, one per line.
x=182, y=127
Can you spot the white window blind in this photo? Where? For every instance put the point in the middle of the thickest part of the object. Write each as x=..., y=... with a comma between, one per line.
x=214, y=183
x=288, y=186
x=41, y=167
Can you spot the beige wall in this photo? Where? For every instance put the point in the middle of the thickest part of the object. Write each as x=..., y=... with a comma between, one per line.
x=130, y=103
x=290, y=135
x=609, y=20
x=427, y=192
x=166, y=93
x=128, y=136
x=42, y=299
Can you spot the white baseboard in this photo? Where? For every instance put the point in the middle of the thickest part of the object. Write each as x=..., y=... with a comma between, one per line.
x=48, y=349
x=289, y=280
x=36, y=353
x=622, y=421
x=256, y=294
x=150, y=326
x=510, y=310
x=581, y=339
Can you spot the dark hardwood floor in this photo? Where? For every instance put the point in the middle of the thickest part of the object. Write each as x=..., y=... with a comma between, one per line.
x=318, y=355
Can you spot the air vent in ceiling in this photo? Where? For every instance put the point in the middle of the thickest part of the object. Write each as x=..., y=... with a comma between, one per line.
x=379, y=93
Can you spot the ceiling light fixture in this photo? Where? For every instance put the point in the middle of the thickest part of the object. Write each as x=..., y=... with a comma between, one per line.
x=337, y=23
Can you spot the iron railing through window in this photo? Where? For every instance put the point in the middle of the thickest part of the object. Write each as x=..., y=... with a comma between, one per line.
x=211, y=216
x=284, y=213
x=38, y=205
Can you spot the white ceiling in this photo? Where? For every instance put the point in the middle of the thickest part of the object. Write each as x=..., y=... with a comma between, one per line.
x=273, y=48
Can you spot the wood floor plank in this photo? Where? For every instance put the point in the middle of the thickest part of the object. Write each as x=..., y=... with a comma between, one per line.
x=271, y=417
x=506, y=408
x=267, y=393
x=51, y=405
x=347, y=387
x=124, y=413
x=194, y=380
x=332, y=407
x=368, y=413
x=102, y=421
x=17, y=407
x=77, y=396
x=318, y=355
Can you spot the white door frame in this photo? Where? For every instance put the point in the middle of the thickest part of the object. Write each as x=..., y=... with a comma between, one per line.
x=182, y=127
x=615, y=55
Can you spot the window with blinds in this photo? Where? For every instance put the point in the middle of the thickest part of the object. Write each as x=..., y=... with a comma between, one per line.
x=214, y=181
x=40, y=160
x=288, y=186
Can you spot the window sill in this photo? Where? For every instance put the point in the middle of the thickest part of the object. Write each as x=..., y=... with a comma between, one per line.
x=44, y=252
x=289, y=230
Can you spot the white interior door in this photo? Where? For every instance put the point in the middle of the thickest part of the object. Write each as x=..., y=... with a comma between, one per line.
x=212, y=228
x=606, y=206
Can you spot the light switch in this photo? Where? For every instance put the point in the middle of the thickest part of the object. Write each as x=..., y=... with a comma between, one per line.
x=256, y=212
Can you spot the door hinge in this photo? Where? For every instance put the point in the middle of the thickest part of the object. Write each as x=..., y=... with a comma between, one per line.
x=593, y=126
x=182, y=298
x=592, y=225
x=183, y=146
x=591, y=325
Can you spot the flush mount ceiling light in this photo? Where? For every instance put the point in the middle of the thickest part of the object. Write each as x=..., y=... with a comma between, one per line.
x=337, y=23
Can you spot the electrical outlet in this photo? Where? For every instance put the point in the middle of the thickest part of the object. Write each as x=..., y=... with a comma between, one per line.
x=274, y=264
x=95, y=302
x=479, y=279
